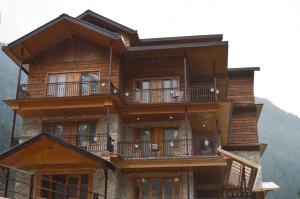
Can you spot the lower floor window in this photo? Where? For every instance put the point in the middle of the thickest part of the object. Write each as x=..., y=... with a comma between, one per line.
x=157, y=188
x=64, y=187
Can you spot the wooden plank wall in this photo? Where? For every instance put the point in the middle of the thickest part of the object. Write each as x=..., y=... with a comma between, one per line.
x=243, y=123
x=240, y=88
x=74, y=55
x=152, y=67
x=243, y=127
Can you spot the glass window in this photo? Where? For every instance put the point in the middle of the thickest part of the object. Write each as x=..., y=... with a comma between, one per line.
x=59, y=186
x=156, y=188
x=73, y=186
x=84, y=187
x=168, y=187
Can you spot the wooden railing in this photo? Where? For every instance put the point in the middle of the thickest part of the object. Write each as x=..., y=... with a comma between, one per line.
x=168, y=95
x=168, y=148
x=93, y=143
x=65, y=89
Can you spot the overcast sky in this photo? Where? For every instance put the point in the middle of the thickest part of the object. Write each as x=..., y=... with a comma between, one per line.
x=261, y=33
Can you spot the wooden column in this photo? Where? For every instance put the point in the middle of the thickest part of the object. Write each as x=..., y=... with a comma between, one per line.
x=215, y=82
x=17, y=94
x=105, y=182
x=185, y=78
x=109, y=91
x=260, y=195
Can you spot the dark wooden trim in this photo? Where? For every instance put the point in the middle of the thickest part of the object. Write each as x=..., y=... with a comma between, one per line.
x=176, y=46
x=219, y=37
x=248, y=147
x=106, y=20
x=244, y=69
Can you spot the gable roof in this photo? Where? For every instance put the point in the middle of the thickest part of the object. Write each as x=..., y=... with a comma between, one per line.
x=13, y=152
x=56, y=31
x=89, y=13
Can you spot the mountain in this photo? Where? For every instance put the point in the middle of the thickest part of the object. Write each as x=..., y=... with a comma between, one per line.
x=281, y=160
x=279, y=129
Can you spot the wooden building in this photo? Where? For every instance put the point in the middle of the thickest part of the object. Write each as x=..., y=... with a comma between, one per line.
x=163, y=117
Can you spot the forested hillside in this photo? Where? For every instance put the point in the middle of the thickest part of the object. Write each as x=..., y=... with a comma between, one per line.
x=281, y=161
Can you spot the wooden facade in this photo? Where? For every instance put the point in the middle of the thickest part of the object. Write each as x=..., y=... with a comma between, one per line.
x=159, y=105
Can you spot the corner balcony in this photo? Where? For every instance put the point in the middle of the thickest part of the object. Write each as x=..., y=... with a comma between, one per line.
x=91, y=143
x=168, y=149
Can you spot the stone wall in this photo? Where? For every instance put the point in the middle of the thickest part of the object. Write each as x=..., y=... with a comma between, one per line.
x=22, y=186
x=99, y=183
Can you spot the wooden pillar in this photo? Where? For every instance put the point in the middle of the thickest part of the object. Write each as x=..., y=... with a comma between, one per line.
x=17, y=94
x=185, y=78
x=109, y=91
x=105, y=182
x=260, y=195
x=215, y=82
x=188, y=184
x=31, y=186
x=109, y=70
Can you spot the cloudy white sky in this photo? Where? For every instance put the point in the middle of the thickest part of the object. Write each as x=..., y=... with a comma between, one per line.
x=263, y=33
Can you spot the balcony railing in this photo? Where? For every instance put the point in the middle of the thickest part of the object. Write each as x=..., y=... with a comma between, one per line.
x=65, y=89
x=168, y=95
x=205, y=146
x=93, y=143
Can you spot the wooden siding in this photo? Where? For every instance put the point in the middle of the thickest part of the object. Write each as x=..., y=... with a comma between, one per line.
x=152, y=68
x=74, y=55
x=240, y=88
x=243, y=127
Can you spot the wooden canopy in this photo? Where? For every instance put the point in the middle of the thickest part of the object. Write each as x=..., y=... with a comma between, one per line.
x=47, y=151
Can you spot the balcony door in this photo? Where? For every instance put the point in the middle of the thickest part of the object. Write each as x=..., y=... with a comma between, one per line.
x=171, y=141
x=156, y=91
x=57, y=85
x=89, y=83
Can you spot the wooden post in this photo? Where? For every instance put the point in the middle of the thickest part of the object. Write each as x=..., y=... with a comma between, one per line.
x=215, y=82
x=17, y=95
x=109, y=70
x=31, y=186
x=105, y=182
x=188, y=184
x=109, y=91
x=185, y=78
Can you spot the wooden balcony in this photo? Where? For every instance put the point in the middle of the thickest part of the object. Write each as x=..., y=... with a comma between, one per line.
x=169, y=95
x=65, y=89
x=95, y=143
x=205, y=146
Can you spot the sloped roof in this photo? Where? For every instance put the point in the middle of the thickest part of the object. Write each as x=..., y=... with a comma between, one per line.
x=56, y=31
x=89, y=13
x=19, y=154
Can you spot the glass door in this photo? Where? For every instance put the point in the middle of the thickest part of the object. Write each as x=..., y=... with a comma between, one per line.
x=143, y=142
x=61, y=85
x=171, y=141
x=56, y=85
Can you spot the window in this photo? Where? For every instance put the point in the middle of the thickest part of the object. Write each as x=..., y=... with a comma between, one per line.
x=57, y=85
x=55, y=129
x=89, y=83
x=56, y=186
x=157, y=188
x=157, y=91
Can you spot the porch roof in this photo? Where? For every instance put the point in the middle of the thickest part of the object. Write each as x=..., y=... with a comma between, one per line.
x=47, y=151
